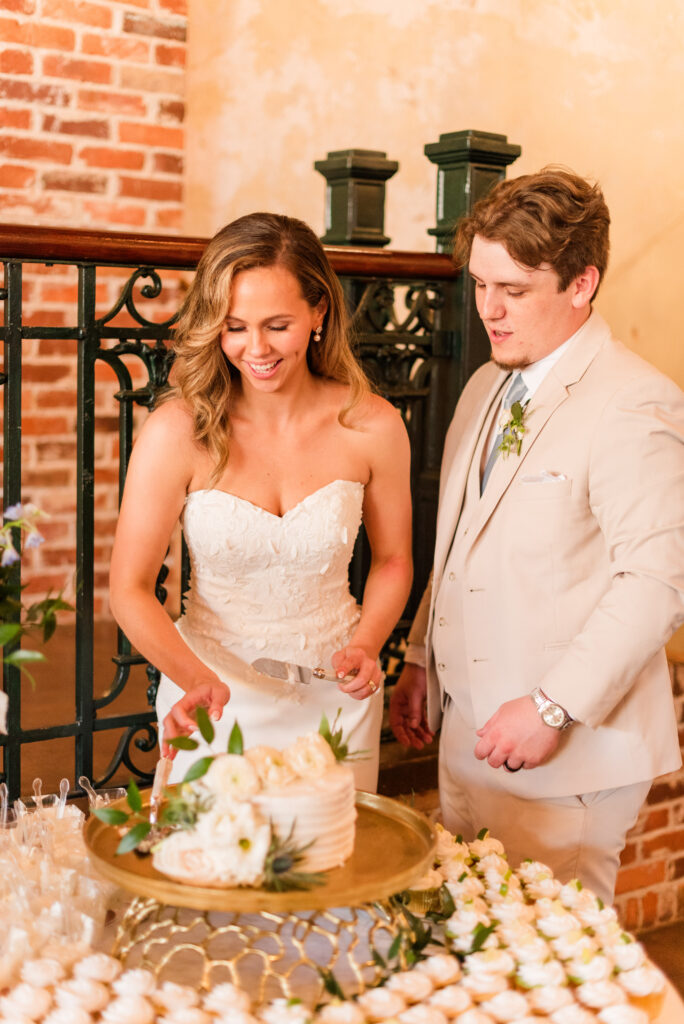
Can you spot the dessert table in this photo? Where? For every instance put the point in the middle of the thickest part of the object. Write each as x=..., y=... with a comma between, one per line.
x=189, y=958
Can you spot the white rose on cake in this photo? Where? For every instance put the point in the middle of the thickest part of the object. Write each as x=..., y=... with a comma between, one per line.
x=227, y=847
x=309, y=756
x=270, y=765
x=230, y=777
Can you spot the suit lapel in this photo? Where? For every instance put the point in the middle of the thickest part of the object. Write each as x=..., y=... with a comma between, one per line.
x=553, y=391
x=455, y=473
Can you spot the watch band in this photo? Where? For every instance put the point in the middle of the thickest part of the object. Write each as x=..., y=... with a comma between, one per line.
x=552, y=714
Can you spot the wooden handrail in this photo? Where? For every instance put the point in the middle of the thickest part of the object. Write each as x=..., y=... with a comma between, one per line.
x=72, y=245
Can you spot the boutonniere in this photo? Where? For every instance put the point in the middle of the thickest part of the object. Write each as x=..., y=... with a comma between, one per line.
x=514, y=428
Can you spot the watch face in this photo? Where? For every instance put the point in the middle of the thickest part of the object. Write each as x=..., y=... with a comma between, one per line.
x=553, y=715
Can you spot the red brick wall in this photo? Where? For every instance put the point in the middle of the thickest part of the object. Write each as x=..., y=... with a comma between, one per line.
x=650, y=889
x=91, y=135
x=91, y=113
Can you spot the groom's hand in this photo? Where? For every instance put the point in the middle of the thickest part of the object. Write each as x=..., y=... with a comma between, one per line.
x=516, y=737
x=179, y=721
x=407, y=708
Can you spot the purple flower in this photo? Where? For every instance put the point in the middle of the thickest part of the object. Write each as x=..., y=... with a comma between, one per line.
x=9, y=557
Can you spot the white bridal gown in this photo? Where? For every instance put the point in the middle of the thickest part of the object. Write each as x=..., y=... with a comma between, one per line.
x=273, y=586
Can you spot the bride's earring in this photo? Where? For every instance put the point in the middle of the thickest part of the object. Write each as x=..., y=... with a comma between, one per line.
x=317, y=334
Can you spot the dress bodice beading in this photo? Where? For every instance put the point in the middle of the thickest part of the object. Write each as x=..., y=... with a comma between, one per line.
x=265, y=582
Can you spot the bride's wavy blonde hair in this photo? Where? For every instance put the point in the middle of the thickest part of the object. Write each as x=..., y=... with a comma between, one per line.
x=204, y=378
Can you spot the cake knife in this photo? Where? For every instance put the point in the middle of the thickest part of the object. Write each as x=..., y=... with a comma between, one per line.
x=161, y=777
x=291, y=672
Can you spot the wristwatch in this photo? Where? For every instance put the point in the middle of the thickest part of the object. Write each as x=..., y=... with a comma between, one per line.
x=550, y=713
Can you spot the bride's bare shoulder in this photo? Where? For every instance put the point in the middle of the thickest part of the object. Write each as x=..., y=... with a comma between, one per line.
x=374, y=414
x=169, y=426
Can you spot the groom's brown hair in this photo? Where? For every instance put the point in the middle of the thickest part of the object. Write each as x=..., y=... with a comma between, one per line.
x=553, y=217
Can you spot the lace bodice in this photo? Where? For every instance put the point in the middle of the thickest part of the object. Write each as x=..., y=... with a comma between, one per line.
x=262, y=582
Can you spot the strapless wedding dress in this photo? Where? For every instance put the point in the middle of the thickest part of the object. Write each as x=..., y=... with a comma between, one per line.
x=268, y=586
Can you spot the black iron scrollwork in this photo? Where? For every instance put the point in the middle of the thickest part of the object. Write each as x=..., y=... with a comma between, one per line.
x=126, y=301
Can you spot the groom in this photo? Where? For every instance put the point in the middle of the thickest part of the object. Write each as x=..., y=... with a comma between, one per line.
x=559, y=558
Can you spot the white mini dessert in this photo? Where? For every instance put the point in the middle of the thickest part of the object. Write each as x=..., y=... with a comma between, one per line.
x=506, y=1006
x=380, y=1004
x=129, y=1010
x=573, y=945
x=414, y=986
x=99, y=967
x=546, y=999
x=452, y=1000
x=572, y=1014
x=483, y=985
x=625, y=952
x=340, y=1011
x=535, y=974
x=285, y=1011
x=171, y=996
x=27, y=1001
x=85, y=993
x=597, y=994
x=553, y=919
x=188, y=1015
x=623, y=1014
x=441, y=968
x=226, y=996
x=490, y=961
x=422, y=1013
x=135, y=982
x=465, y=886
x=70, y=1015
x=475, y=1016
x=645, y=987
x=43, y=973
x=480, y=848
x=589, y=968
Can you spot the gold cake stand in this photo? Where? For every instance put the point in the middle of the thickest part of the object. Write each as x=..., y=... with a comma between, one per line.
x=269, y=943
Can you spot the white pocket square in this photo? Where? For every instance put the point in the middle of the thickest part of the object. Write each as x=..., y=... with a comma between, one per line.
x=546, y=476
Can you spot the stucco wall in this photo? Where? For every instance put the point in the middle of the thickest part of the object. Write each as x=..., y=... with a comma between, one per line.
x=592, y=84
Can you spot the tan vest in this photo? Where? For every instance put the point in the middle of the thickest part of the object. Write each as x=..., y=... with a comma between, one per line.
x=449, y=646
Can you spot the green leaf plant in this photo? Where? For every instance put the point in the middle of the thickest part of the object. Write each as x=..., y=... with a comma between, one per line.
x=19, y=533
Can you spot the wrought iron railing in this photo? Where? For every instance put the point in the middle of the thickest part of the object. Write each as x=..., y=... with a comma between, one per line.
x=406, y=321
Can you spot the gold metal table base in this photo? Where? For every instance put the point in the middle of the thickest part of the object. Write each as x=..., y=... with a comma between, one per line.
x=268, y=955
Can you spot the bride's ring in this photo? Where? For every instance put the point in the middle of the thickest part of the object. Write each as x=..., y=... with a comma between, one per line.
x=372, y=686
x=509, y=769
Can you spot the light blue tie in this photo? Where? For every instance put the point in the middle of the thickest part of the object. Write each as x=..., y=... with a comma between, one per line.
x=517, y=390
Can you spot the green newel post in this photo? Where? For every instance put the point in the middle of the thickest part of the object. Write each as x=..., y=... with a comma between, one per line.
x=355, y=196
x=469, y=164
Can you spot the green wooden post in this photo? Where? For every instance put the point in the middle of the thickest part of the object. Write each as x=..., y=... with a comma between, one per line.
x=355, y=196
x=469, y=164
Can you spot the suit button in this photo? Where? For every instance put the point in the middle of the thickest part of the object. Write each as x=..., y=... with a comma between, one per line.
x=442, y=621
x=452, y=577
x=441, y=666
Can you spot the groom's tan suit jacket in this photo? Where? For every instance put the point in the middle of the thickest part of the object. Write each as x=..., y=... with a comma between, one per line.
x=568, y=572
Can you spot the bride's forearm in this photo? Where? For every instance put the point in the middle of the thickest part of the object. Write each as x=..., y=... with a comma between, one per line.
x=151, y=631
x=384, y=598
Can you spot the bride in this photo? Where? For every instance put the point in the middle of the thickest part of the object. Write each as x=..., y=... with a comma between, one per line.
x=270, y=447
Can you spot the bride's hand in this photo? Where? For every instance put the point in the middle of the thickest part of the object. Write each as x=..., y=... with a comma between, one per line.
x=355, y=662
x=179, y=721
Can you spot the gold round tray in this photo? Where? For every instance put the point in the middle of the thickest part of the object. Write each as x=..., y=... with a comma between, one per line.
x=394, y=846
